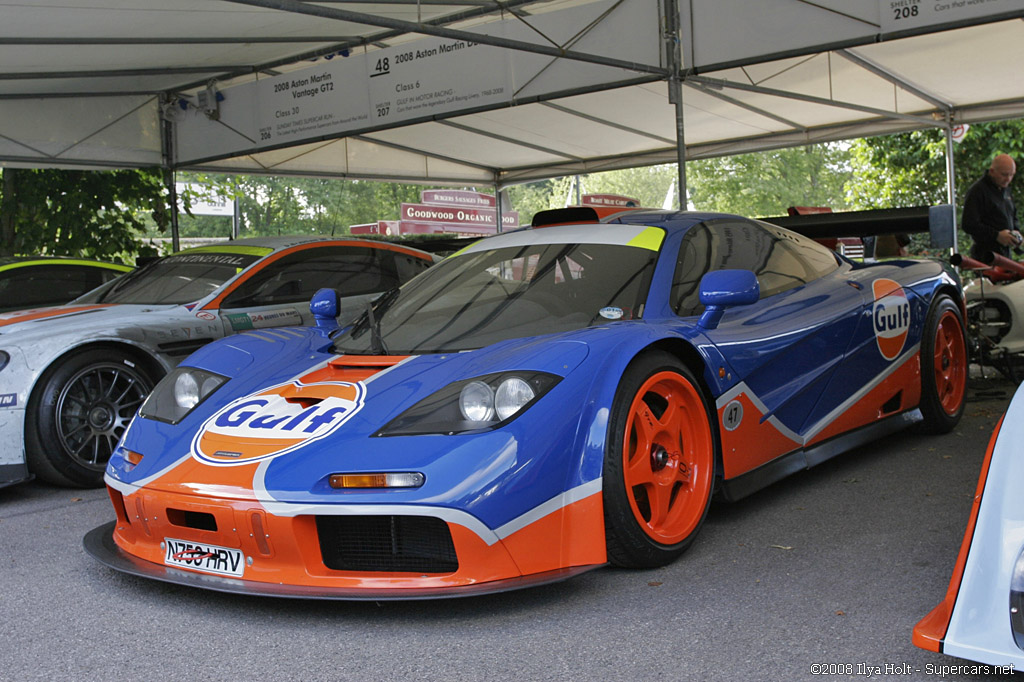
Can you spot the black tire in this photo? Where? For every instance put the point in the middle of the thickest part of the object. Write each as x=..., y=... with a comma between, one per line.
x=944, y=366
x=659, y=468
x=77, y=413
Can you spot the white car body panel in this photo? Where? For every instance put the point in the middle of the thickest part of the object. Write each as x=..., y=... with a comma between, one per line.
x=1010, y=295
x=35, y=339
x=980, y=623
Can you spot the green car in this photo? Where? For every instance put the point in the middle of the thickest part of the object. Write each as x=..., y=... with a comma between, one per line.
x=36, y=282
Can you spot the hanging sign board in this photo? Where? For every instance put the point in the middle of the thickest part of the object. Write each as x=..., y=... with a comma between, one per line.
x=201, y=203
x=900, y=15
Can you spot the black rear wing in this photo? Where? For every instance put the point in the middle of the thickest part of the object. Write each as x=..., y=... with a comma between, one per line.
x=935, y=220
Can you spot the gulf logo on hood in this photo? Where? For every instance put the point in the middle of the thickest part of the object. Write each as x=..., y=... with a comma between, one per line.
x=890, y=316
x=276, y=421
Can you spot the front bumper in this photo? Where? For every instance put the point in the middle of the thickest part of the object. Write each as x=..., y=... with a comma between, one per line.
x=99, y=542
x=333, y=552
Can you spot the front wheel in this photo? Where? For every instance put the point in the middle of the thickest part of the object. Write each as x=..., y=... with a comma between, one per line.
x=943, y=366
x=659, y=464
x=78, y=413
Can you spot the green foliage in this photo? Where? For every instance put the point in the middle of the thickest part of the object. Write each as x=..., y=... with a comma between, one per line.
x=909, y=169
x=766, y=183
x=91, y=214
x=270, y=205
x=531, y=198
x=649, y=184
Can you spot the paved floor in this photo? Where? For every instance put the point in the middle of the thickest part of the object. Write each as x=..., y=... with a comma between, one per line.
x=834, y=566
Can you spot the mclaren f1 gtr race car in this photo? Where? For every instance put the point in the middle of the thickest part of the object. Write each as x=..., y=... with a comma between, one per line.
x=981, y=617
x=541, y=403
x=72, y=376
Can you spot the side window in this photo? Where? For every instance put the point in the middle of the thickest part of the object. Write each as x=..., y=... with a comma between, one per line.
x=352, y=270
x=722, y=244
x=794, y=260
x=41, y=285
x=781, y=259
x=408, y=266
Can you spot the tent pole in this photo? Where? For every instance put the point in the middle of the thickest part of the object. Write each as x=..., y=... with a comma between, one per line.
x=497, y=207
x=673, y=54
x=951, y=177
x=170, y=179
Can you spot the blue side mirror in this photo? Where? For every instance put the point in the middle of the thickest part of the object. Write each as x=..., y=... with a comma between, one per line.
x=723, y=289
x=324, y=306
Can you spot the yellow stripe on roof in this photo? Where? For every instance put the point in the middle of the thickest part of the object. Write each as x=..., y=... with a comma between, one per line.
x=66, y=261
x=460, y=251
x=649, y=239
x=242, y=250
x=636, y=236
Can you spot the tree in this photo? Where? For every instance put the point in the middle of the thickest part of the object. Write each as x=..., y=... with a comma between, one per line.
x=767, y=183
x=909, y=169
x=92, y=214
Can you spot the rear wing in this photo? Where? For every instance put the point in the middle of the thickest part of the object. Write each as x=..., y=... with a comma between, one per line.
x=937, y=221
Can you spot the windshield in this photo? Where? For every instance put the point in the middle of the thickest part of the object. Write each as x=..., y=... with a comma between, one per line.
x=181, y=278
x=480, y=298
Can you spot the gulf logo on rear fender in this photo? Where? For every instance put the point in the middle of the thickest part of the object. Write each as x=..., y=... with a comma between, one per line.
x=276, y=421
x=890, y=316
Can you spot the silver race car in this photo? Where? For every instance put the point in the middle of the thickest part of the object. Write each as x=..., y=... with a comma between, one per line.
x=72, y=376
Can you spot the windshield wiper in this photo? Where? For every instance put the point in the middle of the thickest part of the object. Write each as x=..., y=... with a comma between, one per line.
x=370, y=320
x=377, y=346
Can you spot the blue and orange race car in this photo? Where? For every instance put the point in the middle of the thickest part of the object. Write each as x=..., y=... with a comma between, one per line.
x=541, y=403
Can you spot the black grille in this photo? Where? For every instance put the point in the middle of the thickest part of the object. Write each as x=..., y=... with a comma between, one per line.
x=192, y=519
x=182, y=348
x=386, y=543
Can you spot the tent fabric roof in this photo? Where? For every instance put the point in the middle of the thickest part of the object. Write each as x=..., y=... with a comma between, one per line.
x=578, y=85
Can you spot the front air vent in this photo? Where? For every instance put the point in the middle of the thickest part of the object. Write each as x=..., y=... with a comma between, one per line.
x=192, y=519
x=417, y=544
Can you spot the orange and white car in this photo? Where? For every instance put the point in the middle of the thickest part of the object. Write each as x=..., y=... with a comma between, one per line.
x=72, y=376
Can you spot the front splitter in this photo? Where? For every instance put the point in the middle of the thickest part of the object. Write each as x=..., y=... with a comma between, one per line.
x=99, y=542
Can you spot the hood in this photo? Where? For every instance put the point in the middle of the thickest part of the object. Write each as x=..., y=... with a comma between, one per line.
x=368, y=391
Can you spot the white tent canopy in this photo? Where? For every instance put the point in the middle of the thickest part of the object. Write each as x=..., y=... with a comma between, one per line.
x=488, y=92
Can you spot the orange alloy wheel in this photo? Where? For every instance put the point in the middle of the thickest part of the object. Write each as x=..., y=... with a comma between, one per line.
x=668, y=458
x=950, y=363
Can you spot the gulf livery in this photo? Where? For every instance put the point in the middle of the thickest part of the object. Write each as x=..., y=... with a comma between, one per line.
x=275, y=422
x=542, y=403
x=890, y=314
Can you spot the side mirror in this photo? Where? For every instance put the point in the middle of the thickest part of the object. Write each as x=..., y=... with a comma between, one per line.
x=722, y=289
x=324, y=306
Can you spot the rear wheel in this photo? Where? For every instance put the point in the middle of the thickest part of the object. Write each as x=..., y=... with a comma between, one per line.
x=659, y=463
x=943, y=366
x=78, y=412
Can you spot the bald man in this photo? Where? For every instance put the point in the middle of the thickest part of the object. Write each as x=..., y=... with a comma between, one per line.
x=989, y=215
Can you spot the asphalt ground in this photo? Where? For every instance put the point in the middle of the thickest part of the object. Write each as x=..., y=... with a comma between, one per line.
x=834, y=565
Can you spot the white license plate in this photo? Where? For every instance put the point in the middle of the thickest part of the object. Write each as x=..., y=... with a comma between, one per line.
x=202, y=557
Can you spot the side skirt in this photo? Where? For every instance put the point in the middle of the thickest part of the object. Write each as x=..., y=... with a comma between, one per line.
x=746, y=484
x=14, y=473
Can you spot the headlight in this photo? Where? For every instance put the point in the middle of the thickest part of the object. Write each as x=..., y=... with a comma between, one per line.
x=179, y=393
x=4, y=359
x=482, y=403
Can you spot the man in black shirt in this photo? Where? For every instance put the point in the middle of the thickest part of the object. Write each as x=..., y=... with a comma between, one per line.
x=989, y=215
